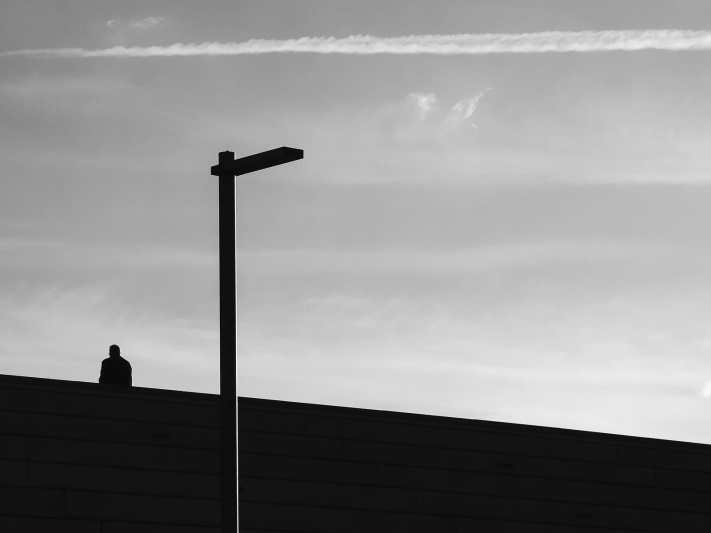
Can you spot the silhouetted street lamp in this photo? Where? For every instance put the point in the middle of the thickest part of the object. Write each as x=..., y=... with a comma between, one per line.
x=226, y=170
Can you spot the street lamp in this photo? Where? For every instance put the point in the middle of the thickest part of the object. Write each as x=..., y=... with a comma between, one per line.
x=226, y=170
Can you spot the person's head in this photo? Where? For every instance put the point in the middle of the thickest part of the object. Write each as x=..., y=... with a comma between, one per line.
x=114, y=350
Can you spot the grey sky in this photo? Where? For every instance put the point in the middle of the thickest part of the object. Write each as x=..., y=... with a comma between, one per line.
x=516, y=237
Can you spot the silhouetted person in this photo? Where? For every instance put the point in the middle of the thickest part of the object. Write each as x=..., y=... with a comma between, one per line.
x=115, y=370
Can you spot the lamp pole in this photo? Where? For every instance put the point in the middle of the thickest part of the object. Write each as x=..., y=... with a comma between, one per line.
x=227, y=169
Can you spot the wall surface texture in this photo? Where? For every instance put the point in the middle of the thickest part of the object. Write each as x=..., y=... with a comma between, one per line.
x=311, y=468
x=87, y=458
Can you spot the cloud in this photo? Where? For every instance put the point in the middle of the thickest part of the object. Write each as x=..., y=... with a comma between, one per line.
x=464, y=109
x=457, y=115
x=146, y=23
x=706, y=392
x=424, y=102
x=486, y=258
x=473, y=44
x=136, y=25
x=62, y=333
x=47, y=90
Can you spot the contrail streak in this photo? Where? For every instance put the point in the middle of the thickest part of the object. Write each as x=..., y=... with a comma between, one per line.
x=473, y=44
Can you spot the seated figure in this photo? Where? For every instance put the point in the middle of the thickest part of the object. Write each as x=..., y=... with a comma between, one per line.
x=115, y=370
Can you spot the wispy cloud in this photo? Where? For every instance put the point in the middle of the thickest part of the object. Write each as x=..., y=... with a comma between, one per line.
x=484, y=43
x=146, y=23
x=464, y=109
x=136, y=25
x=493, y=258
x=424, y=102
x=426, y=108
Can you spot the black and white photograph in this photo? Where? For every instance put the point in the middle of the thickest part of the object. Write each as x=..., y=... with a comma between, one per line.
x=359, y=266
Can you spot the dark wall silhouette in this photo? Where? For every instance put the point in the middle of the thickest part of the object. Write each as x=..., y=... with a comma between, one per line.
x=84, y=458
x=318, y=468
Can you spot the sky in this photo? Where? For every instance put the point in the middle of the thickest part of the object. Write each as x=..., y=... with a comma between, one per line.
x=502, y=212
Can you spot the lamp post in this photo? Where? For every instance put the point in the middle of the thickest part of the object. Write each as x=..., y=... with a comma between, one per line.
x=226, y=170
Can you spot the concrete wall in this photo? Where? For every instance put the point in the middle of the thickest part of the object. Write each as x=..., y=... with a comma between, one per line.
x=89, y=458
x=86, y=458
x=311, y=468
